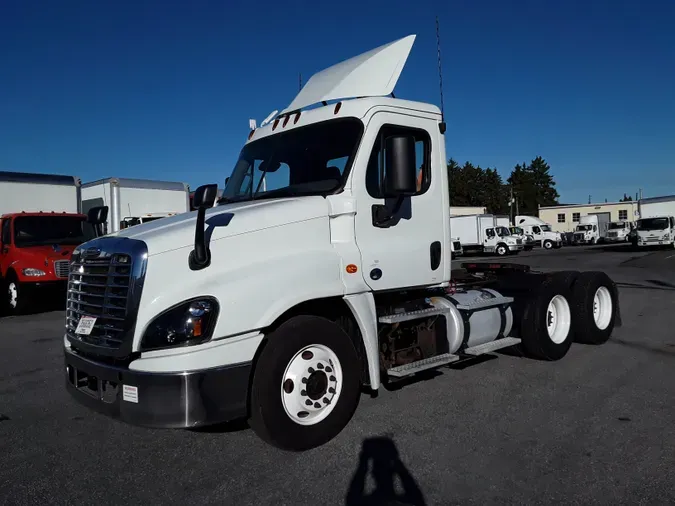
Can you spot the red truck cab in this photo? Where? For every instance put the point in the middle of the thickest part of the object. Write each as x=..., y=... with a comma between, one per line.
x=35, y=251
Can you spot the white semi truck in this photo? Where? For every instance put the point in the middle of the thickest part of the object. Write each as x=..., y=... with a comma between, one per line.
x=542, y=232
x=587, y=231
x=479, y=233
x=135, y=201
x=516, y=232
x=280, y=306
x=619, y=231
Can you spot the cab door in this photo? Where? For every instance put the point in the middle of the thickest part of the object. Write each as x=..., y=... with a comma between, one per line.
x=5, y=241
x=411, y=250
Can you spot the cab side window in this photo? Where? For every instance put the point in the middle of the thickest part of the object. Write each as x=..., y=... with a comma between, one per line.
x=6, y=236
x=375, y=174
x=490, y=233
x=536, y=230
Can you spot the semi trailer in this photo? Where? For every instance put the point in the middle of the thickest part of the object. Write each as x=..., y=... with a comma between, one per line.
x=284, y=305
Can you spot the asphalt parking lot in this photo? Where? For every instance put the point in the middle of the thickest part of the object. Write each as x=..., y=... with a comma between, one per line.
x=594, y=428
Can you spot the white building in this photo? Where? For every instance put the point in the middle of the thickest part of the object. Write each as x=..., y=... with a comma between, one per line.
x=466, y=210
x=564, y=218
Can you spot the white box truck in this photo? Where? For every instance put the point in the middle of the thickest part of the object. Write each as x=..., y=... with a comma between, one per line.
x=283, y=305
x=479, y=233
x=542, y=232
x=135, y=201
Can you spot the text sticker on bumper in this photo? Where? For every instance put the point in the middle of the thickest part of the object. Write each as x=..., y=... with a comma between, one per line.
x=130, y=393
x=85, y=325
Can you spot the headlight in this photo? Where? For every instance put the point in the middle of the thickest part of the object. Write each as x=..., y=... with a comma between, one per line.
x=191, y=322
x=666, y=237
x=32, y=272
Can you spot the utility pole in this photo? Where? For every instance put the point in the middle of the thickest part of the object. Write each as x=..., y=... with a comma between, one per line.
x=511, y=204
x=589, y=199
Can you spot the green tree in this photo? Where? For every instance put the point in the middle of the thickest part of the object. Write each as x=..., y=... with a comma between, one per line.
x=533, y=186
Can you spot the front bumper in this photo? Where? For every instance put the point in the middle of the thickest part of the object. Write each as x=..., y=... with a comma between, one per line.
x=515, y=247
x=166, y=400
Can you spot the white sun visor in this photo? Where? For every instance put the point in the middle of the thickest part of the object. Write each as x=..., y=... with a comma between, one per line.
x=371, y=74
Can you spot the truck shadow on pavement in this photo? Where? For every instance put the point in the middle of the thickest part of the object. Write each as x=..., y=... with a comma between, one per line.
x=380, y=457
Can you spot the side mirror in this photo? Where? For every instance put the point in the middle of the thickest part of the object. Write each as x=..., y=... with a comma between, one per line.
x=97, y=216
x=401, y=167
x=204, y=198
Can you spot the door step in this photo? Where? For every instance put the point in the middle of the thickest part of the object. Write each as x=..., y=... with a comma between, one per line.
x=412, y=315
x=401, y=371
x=482, y=349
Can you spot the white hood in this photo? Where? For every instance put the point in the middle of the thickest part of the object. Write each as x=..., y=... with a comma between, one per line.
x=225, y=221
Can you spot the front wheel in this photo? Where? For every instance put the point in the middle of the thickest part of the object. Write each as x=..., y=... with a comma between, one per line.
x=501, y=250
x=548, y=244
x=306, y=385
x=15, y=296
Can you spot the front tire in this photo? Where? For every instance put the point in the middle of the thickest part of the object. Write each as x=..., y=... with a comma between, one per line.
x=501, y=250
x=306, y=385
x=15, y=296
x=548, y=244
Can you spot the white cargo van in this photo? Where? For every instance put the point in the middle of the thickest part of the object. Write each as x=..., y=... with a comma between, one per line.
x=656, y=231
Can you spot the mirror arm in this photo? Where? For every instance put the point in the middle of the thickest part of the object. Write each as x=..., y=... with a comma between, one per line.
x=383, y=215
x=200, y=257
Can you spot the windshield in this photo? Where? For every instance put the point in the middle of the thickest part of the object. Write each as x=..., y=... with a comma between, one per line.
x=517, y=231
x=615, y=226
x=582, y=228
x=312, y=160
x=43, y=230
x=502, y=231
x=546, y=228
x=653, y=224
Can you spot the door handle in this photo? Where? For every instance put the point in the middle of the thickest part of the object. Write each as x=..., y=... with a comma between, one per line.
x=435, y=254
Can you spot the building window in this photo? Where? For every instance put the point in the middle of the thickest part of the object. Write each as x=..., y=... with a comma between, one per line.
x=623, y=214
x=561, y=218
x=576, y=217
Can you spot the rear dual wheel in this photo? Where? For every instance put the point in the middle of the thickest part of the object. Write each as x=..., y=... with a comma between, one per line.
x=555, y=309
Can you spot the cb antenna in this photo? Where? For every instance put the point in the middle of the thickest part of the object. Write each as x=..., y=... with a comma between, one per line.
x=440, y=75
x=300, y=81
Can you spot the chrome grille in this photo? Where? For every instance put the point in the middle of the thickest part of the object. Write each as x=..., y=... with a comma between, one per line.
x=99, y=287
x=519, y=241
x=61, y=268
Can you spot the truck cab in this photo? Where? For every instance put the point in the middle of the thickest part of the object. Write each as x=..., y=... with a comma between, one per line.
x=519, y=233
x=286, y=300
x=35, y=251
x=541, y=231
x=656, y=231
x=587, y=231
x=619, y=231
